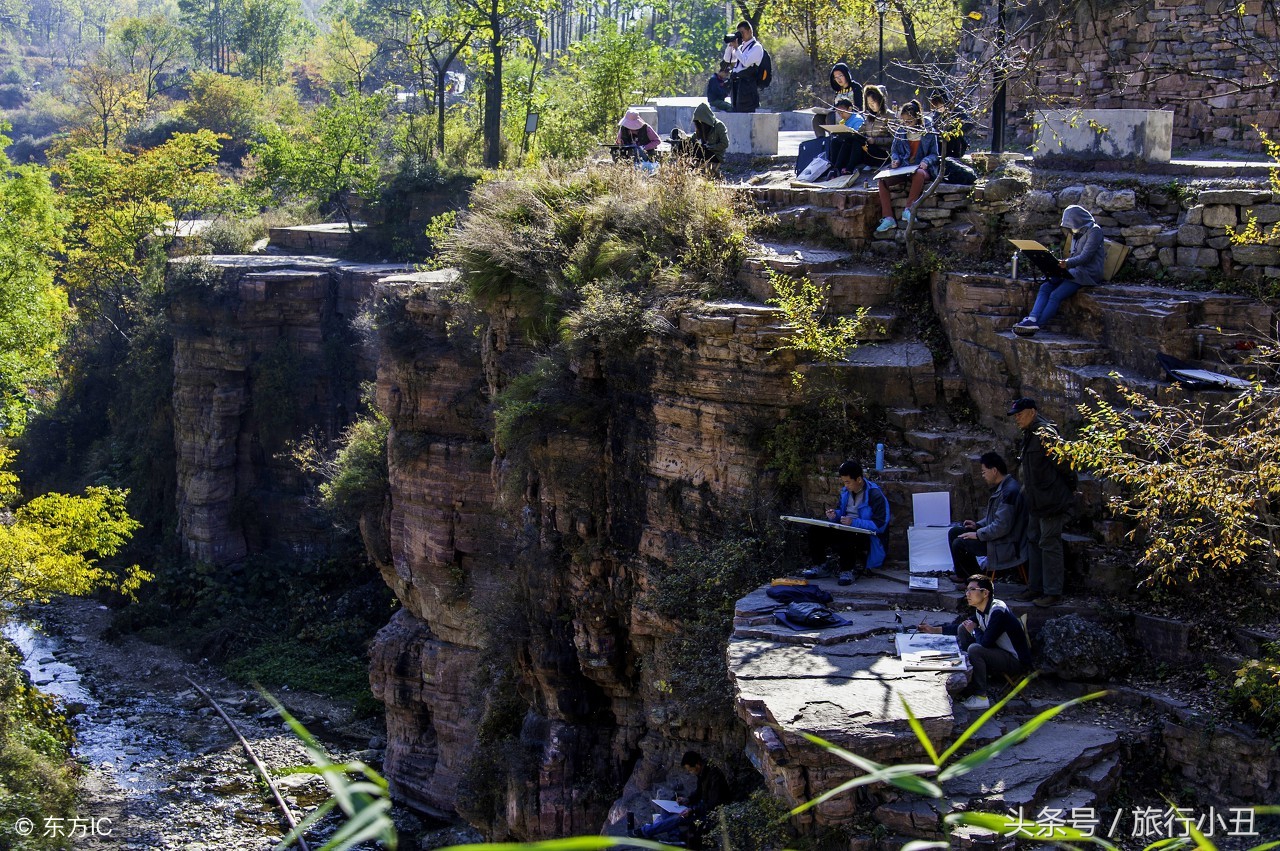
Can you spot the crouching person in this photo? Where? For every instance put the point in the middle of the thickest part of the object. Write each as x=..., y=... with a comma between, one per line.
x=992, y=637
x=711, y=792
x=710, y=139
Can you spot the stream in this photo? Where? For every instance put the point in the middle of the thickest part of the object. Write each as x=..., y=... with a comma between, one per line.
x=160, y=769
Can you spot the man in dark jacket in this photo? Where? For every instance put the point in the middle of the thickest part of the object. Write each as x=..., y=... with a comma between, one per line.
x=1049, y=487
x=718, y=89
x=711, y=792
x=1000, y=536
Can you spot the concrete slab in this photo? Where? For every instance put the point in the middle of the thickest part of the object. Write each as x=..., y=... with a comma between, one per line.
x=1144, y=134
x=754, y=133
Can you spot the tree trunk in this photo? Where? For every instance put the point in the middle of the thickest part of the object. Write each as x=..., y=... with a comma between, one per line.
x=909, y=30
x=493, y=93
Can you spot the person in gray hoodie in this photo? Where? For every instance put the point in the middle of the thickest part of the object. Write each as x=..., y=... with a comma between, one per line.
x=1082, y=269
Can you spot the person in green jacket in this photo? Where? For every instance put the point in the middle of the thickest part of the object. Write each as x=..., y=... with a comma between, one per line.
x=710, y=139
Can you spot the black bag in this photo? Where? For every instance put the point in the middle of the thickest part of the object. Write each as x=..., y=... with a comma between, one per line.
x=811, y=614
x=764, y=77
x=799, y=594
x=959, y=174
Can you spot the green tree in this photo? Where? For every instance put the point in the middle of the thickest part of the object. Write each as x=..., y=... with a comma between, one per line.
x=346, y=58
x=437, y=37
x=227, y=106
x=121, y=206
x=337, y=157
x=267, y=29
x=108, y=99
x=148, y=48
x=211, y=26
x=55, y=543
x=32, y=307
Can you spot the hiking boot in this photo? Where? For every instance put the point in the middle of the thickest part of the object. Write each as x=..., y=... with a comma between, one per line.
x=845, y=578
x=1048, y=601
x=1029, y=596
x=976, y=703
x=1026, y=328
x=886, y=224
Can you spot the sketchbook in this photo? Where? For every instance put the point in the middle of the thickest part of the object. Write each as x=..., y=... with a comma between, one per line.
x=813, y=521
x=669, y=806
x=1040, y=257
x=851, y=125
x=894, y=172
x=928, y=652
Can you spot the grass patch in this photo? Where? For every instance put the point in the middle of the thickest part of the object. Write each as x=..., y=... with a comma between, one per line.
x=289, y=662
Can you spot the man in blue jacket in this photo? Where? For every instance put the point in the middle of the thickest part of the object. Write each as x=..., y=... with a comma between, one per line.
x=863, y=506
x=1000, y=536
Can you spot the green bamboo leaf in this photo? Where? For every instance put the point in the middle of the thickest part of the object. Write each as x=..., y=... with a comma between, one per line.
x=1012, y=825
x=982, y=719
x=918, y=729
x=1012, y=738
x=921, y=845
x=291, y=838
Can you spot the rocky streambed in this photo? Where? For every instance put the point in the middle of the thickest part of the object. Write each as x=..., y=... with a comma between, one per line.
x=160, y=769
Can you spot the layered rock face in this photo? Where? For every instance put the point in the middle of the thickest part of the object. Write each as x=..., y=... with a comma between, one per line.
x=263, y=354
x=551, y=558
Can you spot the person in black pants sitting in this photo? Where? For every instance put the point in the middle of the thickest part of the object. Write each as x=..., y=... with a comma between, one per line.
x=711, y=792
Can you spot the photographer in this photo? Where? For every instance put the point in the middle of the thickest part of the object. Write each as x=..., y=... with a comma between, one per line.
x=744, y=54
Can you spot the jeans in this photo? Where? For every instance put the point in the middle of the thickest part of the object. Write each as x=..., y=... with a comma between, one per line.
x=985, y=661
x=1053, y=293
x=1046, y=562
x=667, y=824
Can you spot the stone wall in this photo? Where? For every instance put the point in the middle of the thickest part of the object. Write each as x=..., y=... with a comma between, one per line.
x=1192, y=56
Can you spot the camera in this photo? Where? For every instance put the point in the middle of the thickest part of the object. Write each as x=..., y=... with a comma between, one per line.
x=730, y=38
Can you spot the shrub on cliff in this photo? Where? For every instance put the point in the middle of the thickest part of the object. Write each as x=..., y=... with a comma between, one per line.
x=557, y=245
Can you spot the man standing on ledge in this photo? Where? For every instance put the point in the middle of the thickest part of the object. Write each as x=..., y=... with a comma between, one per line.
x=744, y=56
x=1049, y=487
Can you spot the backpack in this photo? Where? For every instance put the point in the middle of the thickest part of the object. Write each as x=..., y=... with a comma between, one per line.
x=811, y=614
x=799, y=594
x=764, y=77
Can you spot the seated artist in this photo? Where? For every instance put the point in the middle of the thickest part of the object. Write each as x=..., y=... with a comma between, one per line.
x=637, y=140
x=862, y=505
x=718, y=89
x=914, y=143
x=1001, y=534
x=992, y=637
x=843, y=86
x=950, y=124
x=875, y=127
x=1084, y=268
x=711, y=792
x=710, y=139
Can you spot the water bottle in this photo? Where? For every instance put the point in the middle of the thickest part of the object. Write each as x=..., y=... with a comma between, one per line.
x=879, y=456
x=1015, y=266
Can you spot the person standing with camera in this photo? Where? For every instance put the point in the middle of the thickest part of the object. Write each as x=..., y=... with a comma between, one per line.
x=745, y=55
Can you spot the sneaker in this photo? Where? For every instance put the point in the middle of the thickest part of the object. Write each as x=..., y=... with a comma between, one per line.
x=1047, y=601
x=977, y=703
x=906, y=215
x=816, y=572
x=1026, y=328
x=845, y=578
x=887, y=223
x=1029, y=596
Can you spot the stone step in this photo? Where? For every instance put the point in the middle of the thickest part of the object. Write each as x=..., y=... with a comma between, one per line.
x=1103, y=379
x=849, y=289
x=904, y=418
x=903, y=371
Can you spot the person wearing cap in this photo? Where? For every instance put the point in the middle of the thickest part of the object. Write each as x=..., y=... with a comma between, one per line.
x=744, y=56
x=990, y=635
x=1049, y=486
x=718, y=89
x=1082, y=269
x=1001, y=535
x=636, y=139
x=862, y=505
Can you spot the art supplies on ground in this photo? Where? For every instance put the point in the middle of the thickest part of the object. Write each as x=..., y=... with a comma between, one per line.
x=921, y=651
